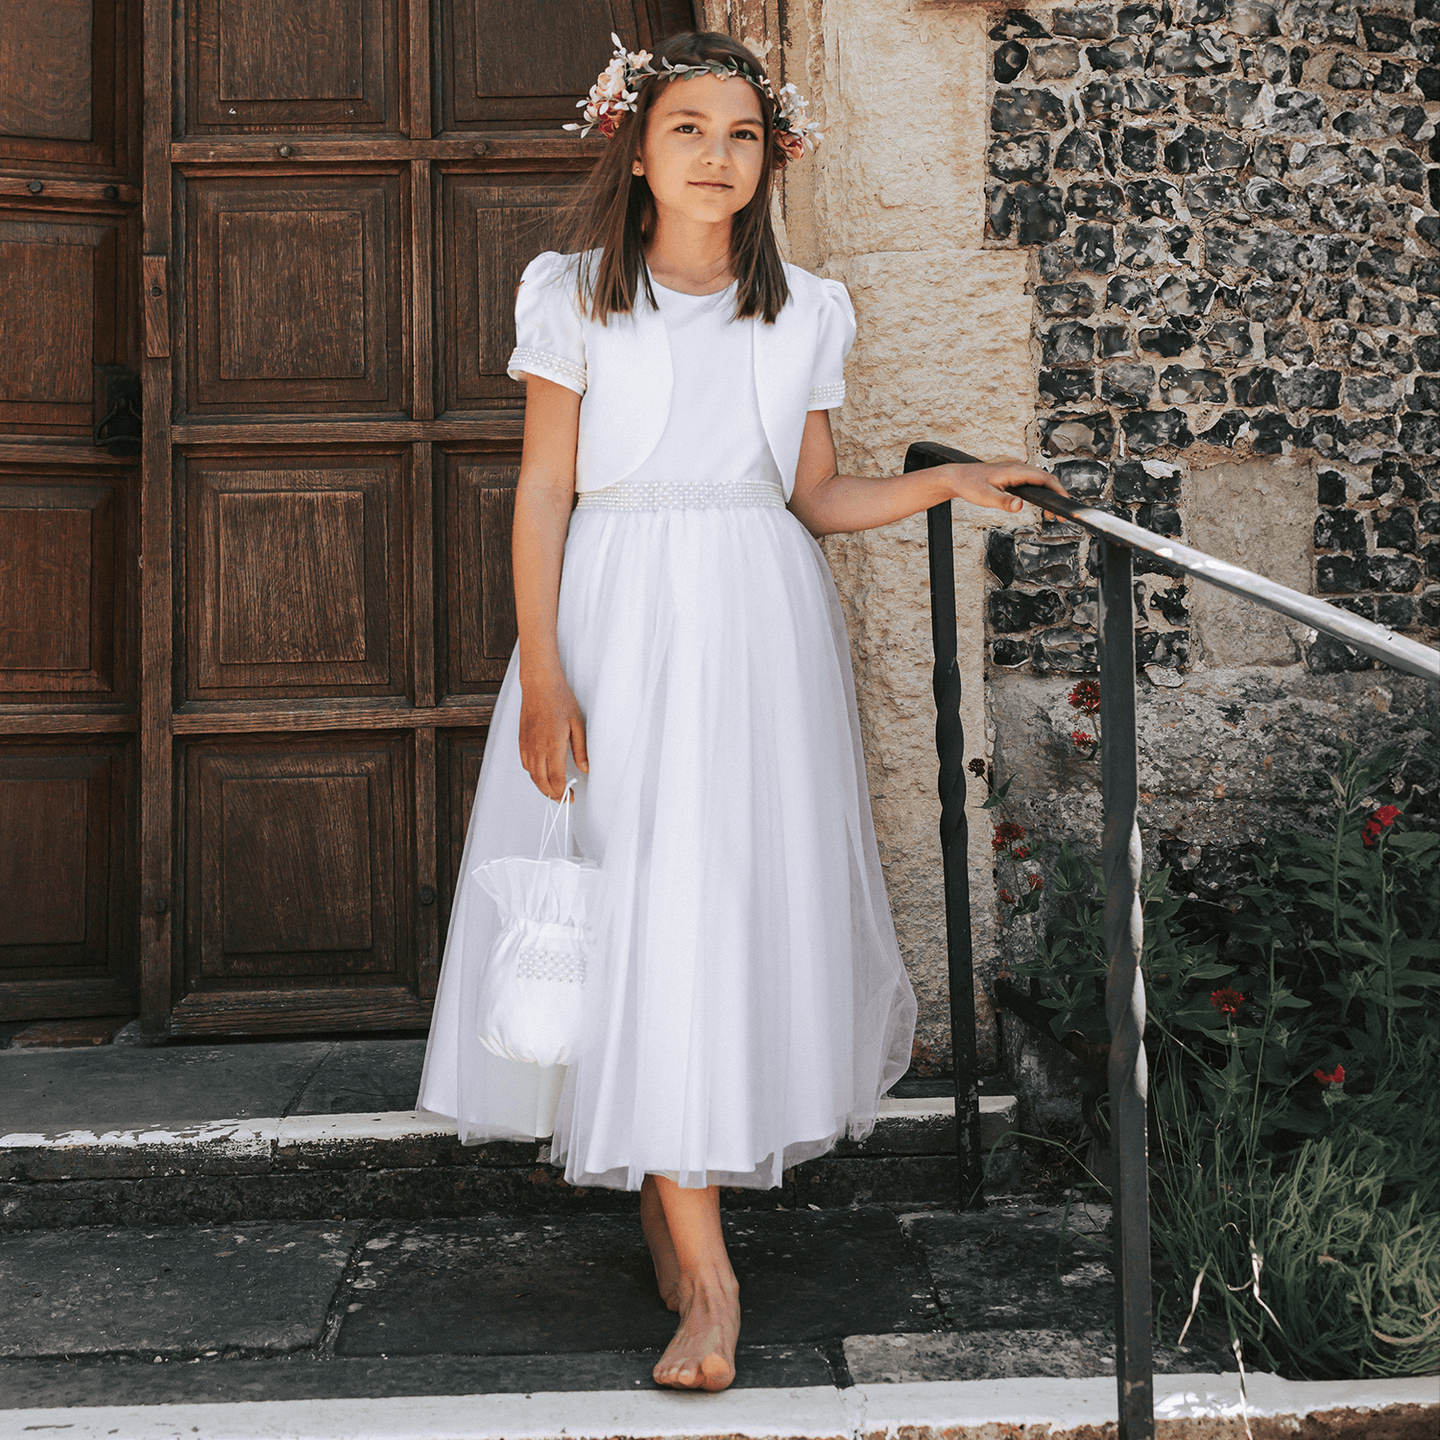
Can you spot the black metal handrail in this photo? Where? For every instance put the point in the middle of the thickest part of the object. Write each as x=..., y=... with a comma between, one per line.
x=1121, y=862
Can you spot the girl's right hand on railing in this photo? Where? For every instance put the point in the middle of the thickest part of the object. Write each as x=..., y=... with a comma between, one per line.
x=550, y=724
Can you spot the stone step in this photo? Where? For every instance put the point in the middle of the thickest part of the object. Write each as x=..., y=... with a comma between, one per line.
x=407, y=1164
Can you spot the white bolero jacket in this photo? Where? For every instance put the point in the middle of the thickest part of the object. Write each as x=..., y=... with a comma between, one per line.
x=623, y=372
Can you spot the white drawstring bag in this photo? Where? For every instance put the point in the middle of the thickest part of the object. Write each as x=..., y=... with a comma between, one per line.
x=532, y=989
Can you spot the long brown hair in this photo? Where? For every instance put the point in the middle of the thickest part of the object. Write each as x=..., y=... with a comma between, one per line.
x=614, y=212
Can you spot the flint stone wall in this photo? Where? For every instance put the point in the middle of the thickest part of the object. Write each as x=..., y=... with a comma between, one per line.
x=961, y=341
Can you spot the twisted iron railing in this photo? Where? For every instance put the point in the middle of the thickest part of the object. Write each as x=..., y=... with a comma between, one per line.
x=1121, y=859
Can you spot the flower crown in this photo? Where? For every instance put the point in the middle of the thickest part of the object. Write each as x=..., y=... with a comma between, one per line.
x=614, y=93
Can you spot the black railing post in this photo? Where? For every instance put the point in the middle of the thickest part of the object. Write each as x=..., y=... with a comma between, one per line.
x=1125, y=995
x=955, y=854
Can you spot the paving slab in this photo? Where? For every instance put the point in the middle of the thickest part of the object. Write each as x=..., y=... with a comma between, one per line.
x=54, y=1384
x=1019, y=1266
x=56, y=1091
x=360, y=1076
x=495, y=1285
x=169, y=1291
x=1004, y=1354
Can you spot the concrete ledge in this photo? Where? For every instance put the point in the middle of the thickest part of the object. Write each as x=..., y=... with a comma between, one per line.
x=393, y=1138
x=1186, y=1406
x=402, y=1163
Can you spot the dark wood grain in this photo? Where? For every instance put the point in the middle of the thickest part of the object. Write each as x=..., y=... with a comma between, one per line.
x=295, y=294
x=296, y=860
x=357, y=1006
x=419, y=120
x=311, y=65
x=460, y=753
x=69, y=101
x=504, y=426
x=221, y=719
x=425, y=902
x=295, y=576
x=422, y=299
x=422, y=562
x=155, y=301
x=63, y=865
x=479, y=626
x=491, y=228
x=559, y=150
x=63, y=311
x=156, y=842
x=497, y=72
x=66, y=587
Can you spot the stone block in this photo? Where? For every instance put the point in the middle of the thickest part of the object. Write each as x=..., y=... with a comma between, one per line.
x=1018, y=109
x=1084, y=22
x=1079, y=150
x=1020, y=157
x=1149, y=430
x=172, y=1291
x=1127, y=386
x=1074, y=298
x=1058, y=60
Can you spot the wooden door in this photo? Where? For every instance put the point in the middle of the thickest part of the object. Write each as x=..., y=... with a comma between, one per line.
x=69, y=213
x=339, y=197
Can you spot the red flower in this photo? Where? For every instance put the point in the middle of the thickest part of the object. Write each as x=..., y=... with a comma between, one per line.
x=1385, y=815
x=610, y=122
x=1335, y=1077
x=1227, y=1000
x=1036, y=882
x=1081, y=739
x=1022, y=852
x=789, y=145
x=977, y=767
x=1006, y=833
x=1086, y=696
x=1006, y=898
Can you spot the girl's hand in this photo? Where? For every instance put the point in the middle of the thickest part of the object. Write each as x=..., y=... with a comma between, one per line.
x=989, y=485
x=550, y=724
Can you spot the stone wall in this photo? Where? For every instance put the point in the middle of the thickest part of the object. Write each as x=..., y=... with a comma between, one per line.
x=1177, y=251
x=893, y=205
x=1235, y=236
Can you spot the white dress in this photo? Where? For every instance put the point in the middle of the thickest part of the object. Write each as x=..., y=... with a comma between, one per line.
x=750, y=1005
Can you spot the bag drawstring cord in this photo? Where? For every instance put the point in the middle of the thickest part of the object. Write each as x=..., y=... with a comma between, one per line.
x=562, y=807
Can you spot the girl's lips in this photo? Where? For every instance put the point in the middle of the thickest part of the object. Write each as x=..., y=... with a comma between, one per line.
x=710, y=184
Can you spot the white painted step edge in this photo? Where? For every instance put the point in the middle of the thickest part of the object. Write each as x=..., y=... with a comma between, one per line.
x=864, y=1412
x=255, y=1136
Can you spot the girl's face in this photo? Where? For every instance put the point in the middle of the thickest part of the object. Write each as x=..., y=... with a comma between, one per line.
x=703, y=148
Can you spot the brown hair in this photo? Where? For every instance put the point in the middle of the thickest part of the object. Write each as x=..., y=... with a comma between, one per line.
x=614, y=212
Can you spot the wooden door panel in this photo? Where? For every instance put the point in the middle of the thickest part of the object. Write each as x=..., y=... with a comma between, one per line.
x=297, y=302
x=299, y=865
x=492, y=226
x=459, y=753
x=62, y=313
x=521, y=67
x=65, y=607
x=63, y=869
x=65, y=85
x=296, y=576
x=302, y=65
x=479, y=601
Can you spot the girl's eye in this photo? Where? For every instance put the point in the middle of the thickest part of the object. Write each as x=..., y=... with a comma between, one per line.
x=746, y=134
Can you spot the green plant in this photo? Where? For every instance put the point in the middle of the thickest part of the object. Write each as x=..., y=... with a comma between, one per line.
x=1294, y=1128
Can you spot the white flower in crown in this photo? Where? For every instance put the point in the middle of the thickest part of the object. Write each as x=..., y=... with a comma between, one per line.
x=613, y=93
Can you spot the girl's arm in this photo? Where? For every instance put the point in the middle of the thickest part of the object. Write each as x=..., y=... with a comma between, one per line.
x=550, y=719
x=828, y=503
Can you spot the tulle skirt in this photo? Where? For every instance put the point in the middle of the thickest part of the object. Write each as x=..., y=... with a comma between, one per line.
x=748, y=1005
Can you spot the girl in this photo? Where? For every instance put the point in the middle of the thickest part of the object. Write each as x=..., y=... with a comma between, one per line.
x=690, y=654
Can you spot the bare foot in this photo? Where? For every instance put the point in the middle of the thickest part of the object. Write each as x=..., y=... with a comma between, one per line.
x=702, y=1354
x=662, y=1247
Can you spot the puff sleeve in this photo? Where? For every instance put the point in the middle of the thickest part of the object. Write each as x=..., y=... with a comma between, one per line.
x=549, y=336
x=834, y=337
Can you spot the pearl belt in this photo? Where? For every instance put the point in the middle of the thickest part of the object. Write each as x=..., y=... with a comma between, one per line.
x=683, y=495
